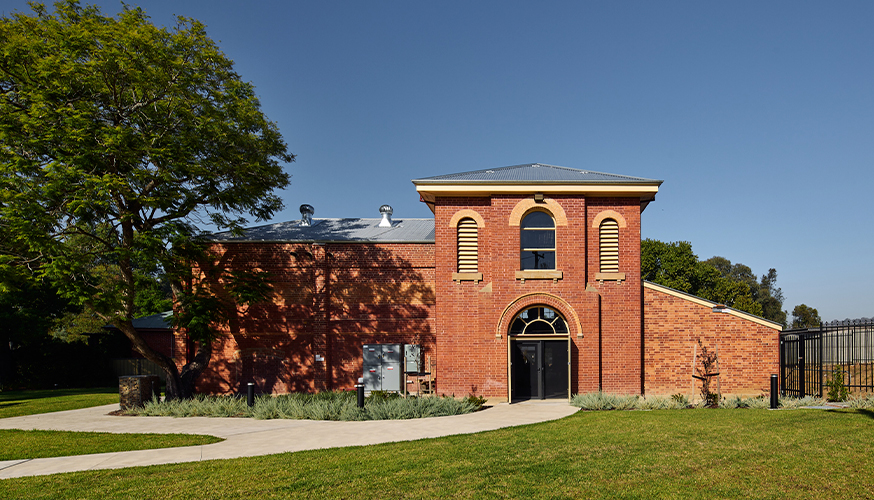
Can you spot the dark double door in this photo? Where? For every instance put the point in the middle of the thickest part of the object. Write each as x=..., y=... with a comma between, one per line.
x=539, y=369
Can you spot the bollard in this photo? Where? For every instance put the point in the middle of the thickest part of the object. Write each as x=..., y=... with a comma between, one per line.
x=250, y=395
x=360, y=388
x=774, y=401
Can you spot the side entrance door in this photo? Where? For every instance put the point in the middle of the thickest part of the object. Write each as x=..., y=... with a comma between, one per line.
x=539, y=369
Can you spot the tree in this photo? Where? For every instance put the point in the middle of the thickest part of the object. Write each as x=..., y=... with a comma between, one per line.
x=765, y=293
x=116, y=138
x=676, y=266
x=805, y=317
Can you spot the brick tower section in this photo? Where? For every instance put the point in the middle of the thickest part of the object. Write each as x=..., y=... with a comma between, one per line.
x=473, y=317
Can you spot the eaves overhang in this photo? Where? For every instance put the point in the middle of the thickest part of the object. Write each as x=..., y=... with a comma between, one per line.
x=535, y=178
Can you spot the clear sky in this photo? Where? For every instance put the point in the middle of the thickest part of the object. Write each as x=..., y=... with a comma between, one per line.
x=758, y=116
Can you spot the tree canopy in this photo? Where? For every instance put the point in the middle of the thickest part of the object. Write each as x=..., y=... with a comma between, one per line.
x=804, y=316
x=117, y=138
x=717, y=279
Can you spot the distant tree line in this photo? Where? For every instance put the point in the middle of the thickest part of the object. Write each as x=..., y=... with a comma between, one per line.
x=735, y=285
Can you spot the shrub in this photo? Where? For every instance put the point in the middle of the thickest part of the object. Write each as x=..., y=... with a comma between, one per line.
x=837, y=390
x=862, y=402
x=476, y=401
x=792, y=403
x=321, y=406
x=757, y=403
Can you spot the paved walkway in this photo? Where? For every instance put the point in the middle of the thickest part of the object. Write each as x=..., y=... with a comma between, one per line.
x=246, y=437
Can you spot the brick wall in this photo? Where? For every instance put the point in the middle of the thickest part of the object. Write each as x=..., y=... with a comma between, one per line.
x=328, y=300
x=748, y=349
x=473, y=317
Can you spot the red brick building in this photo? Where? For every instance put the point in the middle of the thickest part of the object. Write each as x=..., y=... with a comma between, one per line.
x=525, y=284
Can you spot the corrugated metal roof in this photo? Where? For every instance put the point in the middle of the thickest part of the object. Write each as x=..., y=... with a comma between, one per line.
x=160, y=321
x=535, y=172
x=339, y=230
x=155, y=321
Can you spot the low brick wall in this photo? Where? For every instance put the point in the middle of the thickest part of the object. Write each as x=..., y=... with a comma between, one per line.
x=674, y=322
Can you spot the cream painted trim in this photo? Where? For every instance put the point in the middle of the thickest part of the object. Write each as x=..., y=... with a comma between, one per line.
x=609, y=276
x=609, y=214
x=467, y=213
x=487, y=189
x=710, y=304
x=467, y=276
x=515, y=301
x=547, y=205
x=537, y=274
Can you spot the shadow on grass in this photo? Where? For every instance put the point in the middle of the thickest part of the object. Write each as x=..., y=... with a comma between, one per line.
x=6, y=397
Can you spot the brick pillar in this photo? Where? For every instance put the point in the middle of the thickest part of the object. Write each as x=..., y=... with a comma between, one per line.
x=321, y=277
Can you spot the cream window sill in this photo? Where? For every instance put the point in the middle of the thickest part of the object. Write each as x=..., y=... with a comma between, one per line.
x=537, y=274
x=467, y=277
x=609, y=276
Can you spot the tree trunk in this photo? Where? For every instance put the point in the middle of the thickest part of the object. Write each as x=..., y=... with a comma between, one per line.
x=166, y=363
x=191, y=371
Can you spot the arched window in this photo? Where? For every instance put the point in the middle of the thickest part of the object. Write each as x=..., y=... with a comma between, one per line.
x=609, y=243
x=468, y=246
x=537, y=241
x=538, y=320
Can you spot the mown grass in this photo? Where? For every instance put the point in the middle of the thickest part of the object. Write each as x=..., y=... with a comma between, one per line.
x=628, y=454
x=19, y=403
x=17, y=444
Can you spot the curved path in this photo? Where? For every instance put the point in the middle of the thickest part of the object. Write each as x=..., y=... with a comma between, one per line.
x=245, y=437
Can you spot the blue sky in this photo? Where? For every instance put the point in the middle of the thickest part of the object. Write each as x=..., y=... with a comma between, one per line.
x=759, y=116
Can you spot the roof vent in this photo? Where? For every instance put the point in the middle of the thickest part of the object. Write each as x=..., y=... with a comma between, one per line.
x=386, y=212
x=306, y=215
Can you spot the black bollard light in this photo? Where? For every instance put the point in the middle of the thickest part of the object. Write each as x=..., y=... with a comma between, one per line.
x=250, y=395
x=360, y=388
x=774, y=401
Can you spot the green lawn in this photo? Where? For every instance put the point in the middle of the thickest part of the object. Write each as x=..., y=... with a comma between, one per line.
x=18, y=403
x=17, y=444
x=620, y=454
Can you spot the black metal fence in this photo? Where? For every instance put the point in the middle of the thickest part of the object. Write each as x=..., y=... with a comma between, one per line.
x=810, y=357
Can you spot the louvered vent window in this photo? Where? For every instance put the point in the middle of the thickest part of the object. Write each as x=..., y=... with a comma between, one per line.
x=609, y=233
x=468, y=247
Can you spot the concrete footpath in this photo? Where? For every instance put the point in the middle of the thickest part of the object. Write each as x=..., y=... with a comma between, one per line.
x=246, y=437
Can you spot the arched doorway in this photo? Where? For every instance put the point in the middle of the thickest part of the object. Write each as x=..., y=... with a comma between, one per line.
x=539, y=344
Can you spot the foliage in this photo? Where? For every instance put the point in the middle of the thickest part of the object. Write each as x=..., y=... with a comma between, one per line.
x=597, y=401
x=717, y=279
x=805, y=317
x=19, y=403
x=18, y=444
x=476, y=401
x=837, y=390
x=675, y=265
x=116, y=138
x=795, y=403
x=321, y=406
x=862, y=402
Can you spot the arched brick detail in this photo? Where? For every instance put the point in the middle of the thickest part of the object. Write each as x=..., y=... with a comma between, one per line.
x=539, y=298
x=608, y=214
x=461, y=214
x=548, y=204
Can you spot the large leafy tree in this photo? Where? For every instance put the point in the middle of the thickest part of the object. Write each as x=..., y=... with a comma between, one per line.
x=804, y=316
x=675, y=265
x=117, y=138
